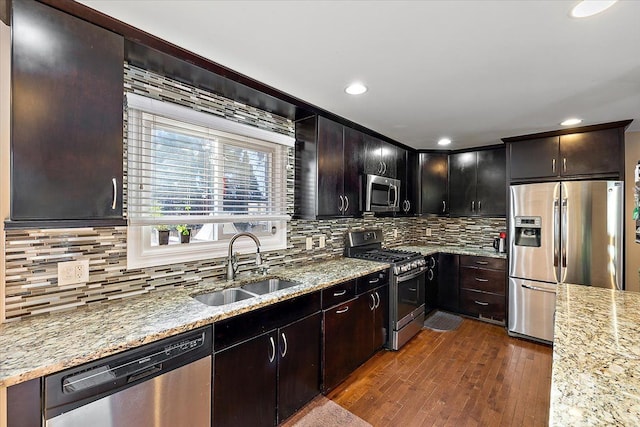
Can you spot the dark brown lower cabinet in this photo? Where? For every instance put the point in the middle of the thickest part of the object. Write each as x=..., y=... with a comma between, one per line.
x=264, y=380
x=298, y=364
x=371, y=332
x=448, y=281
x=340, y=351
x=483, y=287
x=23, y=404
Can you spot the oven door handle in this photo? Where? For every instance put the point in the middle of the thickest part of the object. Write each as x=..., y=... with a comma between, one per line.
x=410, y=276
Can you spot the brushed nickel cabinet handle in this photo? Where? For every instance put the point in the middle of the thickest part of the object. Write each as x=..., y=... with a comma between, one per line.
x=273, y=350
x=478, y=279
x=479, y=205
x=373, y=300
x=444, y=206
x=344, y=310
x=481, y=303
x=340, y=293
x=473, y=206
x=115, y=193
x=564, y=164
x=284, y=340
x=341, y=205
x=553, y=165
x=346, y=208
x=482, y=262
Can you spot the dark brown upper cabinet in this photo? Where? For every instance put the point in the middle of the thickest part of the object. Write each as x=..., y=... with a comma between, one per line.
x=327, y=182
x=477, y=183
x=590, y=151
x=380, y=158
x=408, y=173
x=434, y=192
x=67, y=118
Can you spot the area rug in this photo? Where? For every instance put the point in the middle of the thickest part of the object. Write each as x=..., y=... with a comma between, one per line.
x=441, y=321
x=322, y=412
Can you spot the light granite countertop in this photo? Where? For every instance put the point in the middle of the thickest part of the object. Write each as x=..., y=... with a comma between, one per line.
x=596, y=358
x=433, y=249
x=42, y=345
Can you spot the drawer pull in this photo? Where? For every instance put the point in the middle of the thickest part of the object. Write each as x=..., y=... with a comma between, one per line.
x=340, y=293
x=372, y=281
x=478, y=279
x=482, y=262
x=344, y=310
x=481, y=303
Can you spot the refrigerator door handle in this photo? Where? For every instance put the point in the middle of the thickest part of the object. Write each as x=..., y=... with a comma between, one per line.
x=556, y=231
x=564, y=234
x=536, y=288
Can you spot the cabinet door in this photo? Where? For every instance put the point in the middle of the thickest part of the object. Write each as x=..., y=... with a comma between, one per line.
x=353, y=143
x=591, y=153
x=448, y=281
x=244, y=390
x=23, y=404
x=491, y=190
x=299, y=364
x=534, y=158
x=365, y=307
x=340, y=348
x=434, y=170
x=67, y=120
x=390, y=155
x=462, y=184
x=381, y=317
x=330, y=167
x=408, y=172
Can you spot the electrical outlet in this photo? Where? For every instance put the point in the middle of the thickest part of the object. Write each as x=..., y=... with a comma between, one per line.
x=72, y=272
x=321, y=241
x=395, y=233
x=428, y=232
x=309, y=243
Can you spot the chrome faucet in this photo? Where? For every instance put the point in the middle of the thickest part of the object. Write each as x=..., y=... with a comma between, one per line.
x=232, y=259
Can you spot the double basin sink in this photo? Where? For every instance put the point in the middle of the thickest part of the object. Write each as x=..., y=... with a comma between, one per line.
x=250, y=290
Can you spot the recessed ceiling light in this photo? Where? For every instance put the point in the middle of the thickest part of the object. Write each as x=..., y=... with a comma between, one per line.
x=356, y=89
x=444, y=141
x=588, y=8
x=571, y=122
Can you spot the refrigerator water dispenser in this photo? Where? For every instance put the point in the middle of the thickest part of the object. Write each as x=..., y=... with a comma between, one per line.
x=528, y=231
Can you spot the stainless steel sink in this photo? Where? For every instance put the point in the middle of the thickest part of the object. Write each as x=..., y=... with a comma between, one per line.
x=268, y=285
x=225, y=296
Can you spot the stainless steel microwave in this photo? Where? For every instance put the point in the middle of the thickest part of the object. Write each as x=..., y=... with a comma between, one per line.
x=381, y=194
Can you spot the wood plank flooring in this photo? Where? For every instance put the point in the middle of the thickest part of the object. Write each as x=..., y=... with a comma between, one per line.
x=474, y=376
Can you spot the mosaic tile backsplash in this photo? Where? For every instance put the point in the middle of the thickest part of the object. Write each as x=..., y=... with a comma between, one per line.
x=32, y=255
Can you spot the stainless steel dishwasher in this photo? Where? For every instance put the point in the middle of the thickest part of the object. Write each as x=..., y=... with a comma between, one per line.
x=167, y=383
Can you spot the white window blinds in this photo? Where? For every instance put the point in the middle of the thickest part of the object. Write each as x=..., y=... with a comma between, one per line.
x=186, y=166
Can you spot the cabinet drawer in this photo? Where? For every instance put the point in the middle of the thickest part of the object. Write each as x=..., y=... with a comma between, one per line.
x=483, y=280
x=482, y=304
x=338, y=294
x=371, y=281
x=483, y=262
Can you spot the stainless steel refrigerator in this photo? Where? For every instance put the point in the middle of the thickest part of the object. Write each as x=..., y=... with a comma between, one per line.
x=561, y=232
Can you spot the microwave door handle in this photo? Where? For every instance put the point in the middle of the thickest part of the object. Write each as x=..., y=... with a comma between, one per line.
x=395, y=196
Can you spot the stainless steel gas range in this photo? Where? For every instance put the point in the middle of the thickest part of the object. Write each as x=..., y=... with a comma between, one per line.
x=406, y=282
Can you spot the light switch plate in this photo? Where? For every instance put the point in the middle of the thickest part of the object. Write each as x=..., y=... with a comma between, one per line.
x=73, y=272
x=309, y=243
x=428, y=232
x=395, y=233
x=321, y=241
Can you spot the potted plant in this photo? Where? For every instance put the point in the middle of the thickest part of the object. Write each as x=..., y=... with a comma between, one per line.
x=163, y=234
x=185, y=233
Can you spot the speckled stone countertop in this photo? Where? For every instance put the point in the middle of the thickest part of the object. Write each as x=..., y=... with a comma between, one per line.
x=596, y=358
x=431, y=249
x=42, y=345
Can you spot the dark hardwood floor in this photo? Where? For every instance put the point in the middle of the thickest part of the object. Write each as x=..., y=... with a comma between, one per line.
x=474, y=376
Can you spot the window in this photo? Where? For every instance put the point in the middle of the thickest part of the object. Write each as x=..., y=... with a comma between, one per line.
x=194, y=171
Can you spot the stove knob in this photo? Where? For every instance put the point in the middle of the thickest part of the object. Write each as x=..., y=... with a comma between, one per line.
x=396, y=270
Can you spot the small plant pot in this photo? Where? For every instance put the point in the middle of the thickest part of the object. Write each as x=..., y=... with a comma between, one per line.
x=163, y=237
x=185, y=238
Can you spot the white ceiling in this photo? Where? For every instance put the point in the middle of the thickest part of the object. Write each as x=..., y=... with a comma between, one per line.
x=475, y=71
